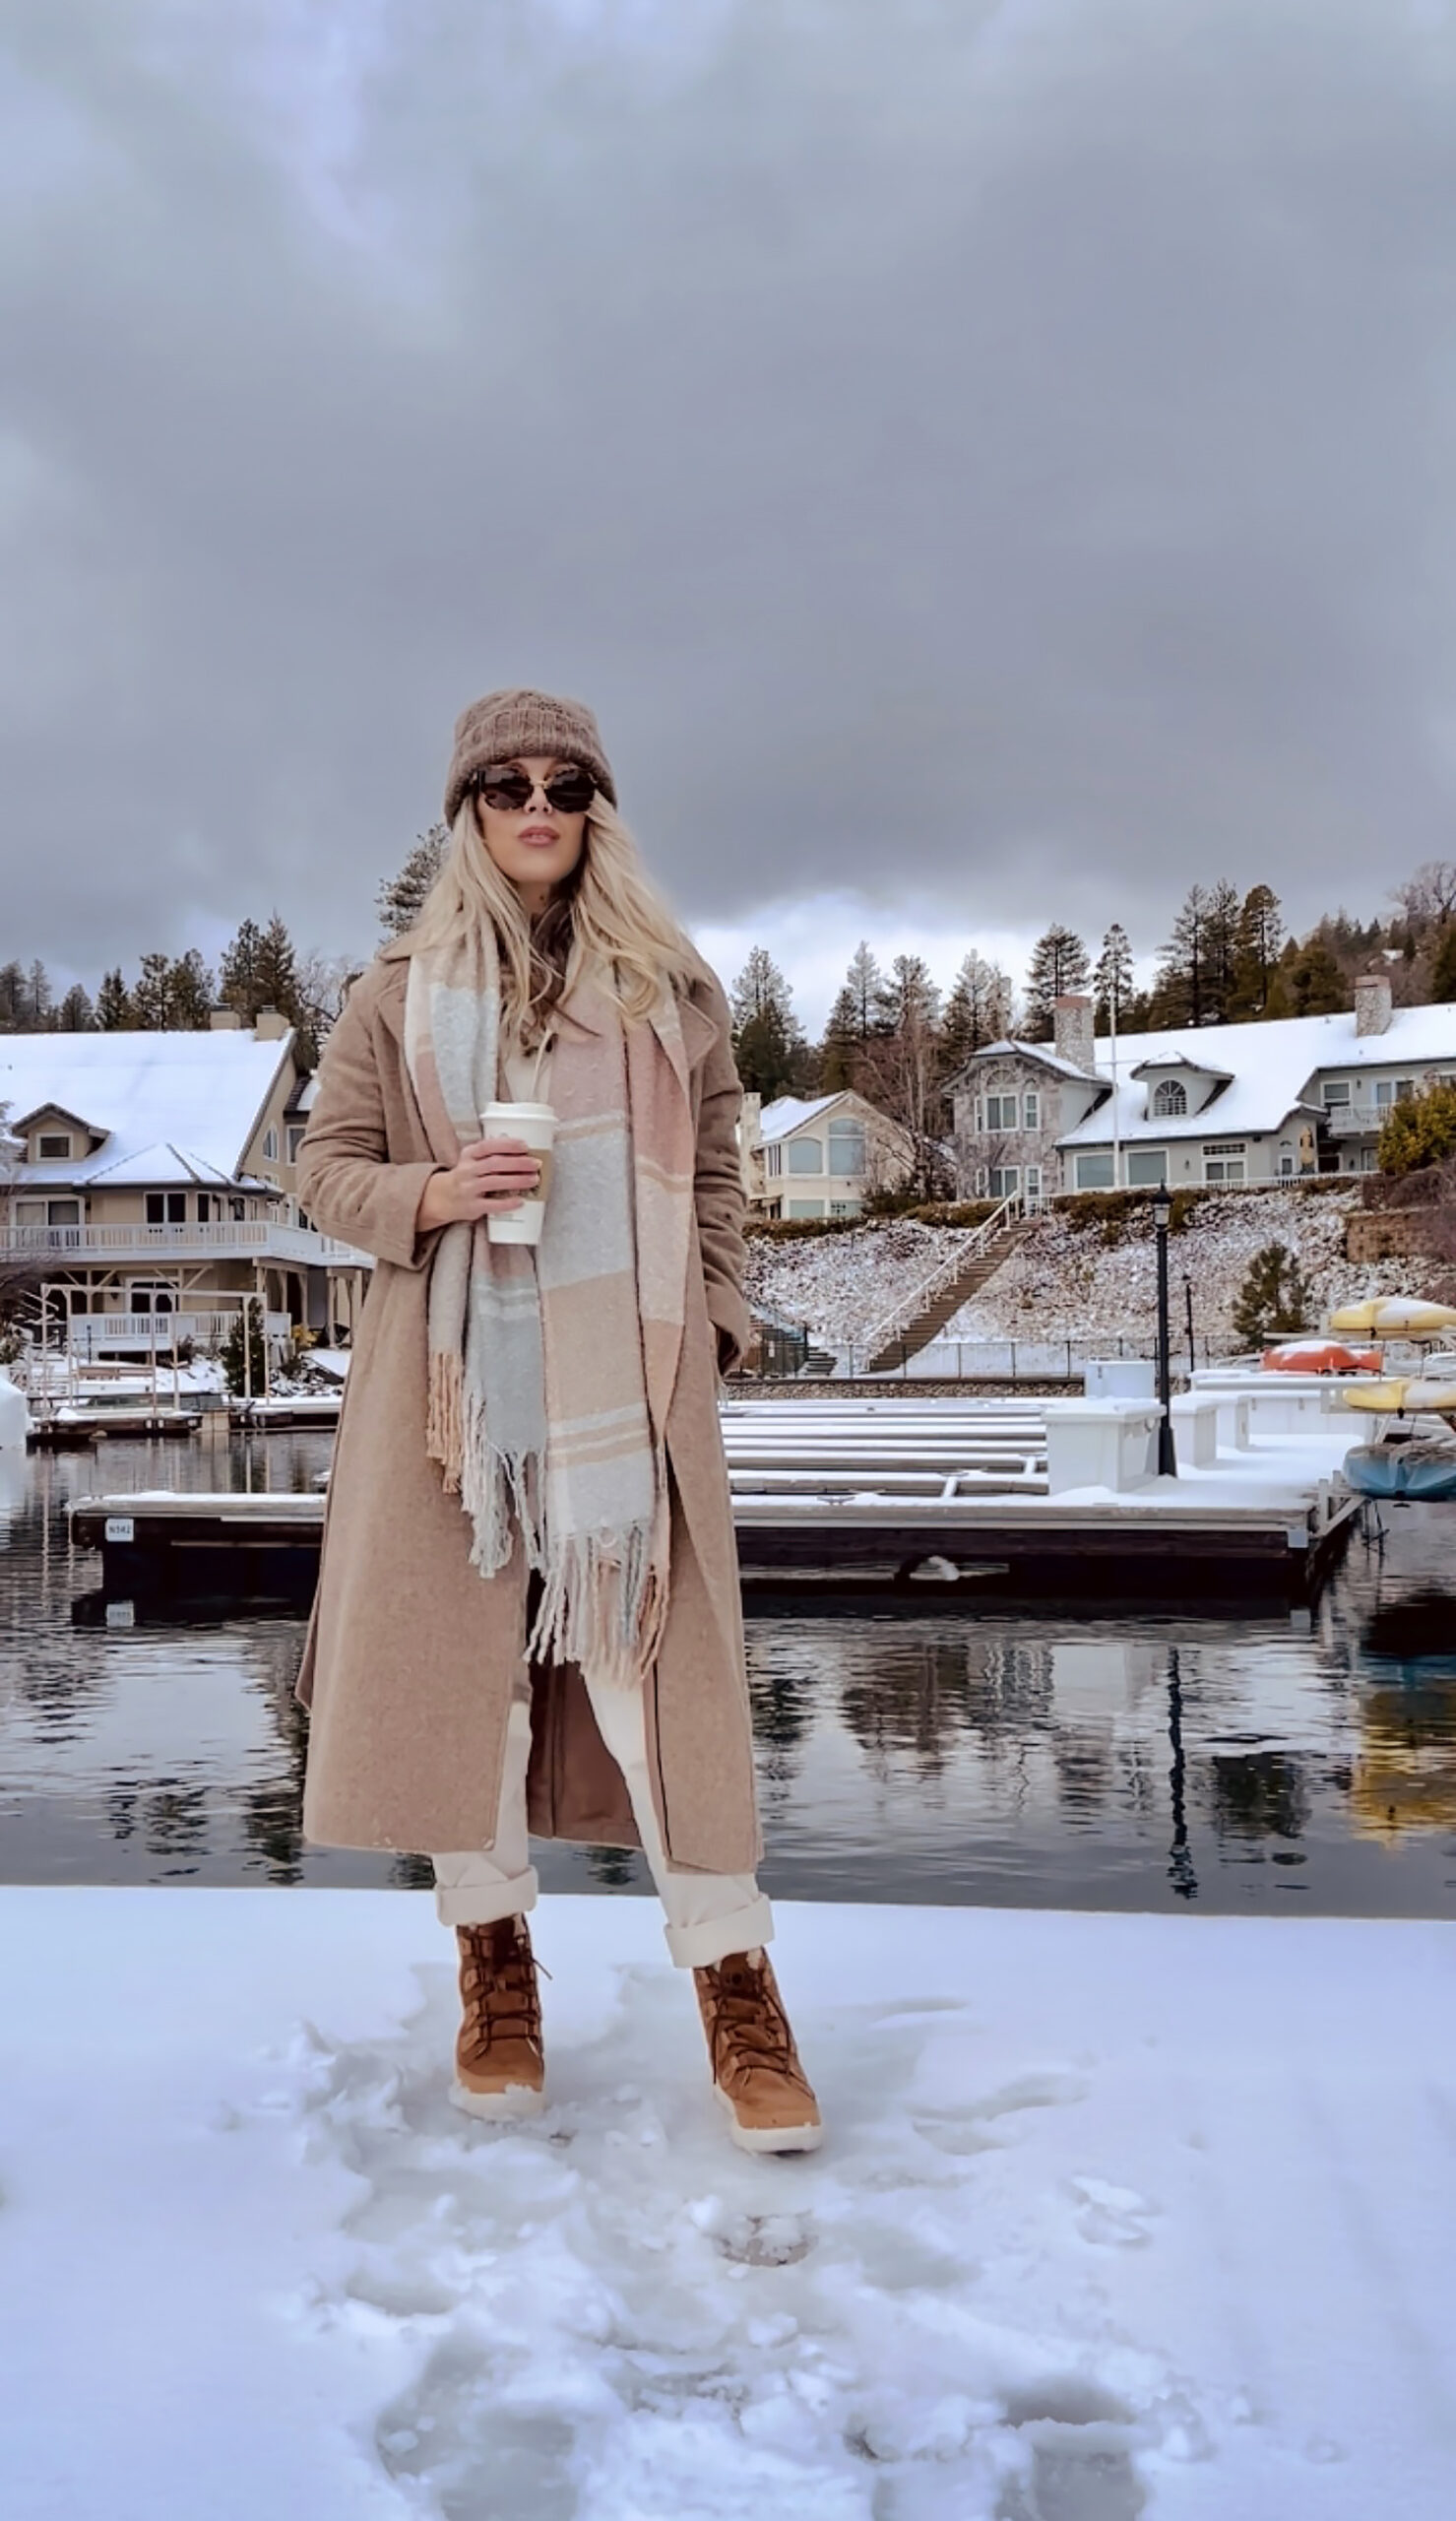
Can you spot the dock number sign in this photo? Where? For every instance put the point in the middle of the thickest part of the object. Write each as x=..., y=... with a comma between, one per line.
x=120, y=1527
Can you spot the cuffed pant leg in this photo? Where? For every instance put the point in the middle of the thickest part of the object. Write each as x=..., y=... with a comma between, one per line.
x=708, y=1914
x=476, y=1886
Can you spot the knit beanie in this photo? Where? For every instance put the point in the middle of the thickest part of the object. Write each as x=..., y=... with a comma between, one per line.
x=509, y=725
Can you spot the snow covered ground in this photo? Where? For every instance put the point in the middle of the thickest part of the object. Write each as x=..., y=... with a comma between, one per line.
x=1116, y=2216
x=1065, y=1283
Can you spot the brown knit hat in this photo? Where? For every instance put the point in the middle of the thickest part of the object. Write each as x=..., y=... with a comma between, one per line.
x=507, y=725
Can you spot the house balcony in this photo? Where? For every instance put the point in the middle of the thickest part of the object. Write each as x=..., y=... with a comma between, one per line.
x=1357, y=1119
x=263, y=1240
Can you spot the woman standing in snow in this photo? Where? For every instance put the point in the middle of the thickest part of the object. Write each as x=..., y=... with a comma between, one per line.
x=528, y=1611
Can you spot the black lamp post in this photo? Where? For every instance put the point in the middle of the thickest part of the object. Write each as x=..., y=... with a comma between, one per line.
x=1168, y=1461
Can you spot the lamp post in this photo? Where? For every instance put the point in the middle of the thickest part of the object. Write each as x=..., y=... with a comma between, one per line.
x=1168, y=1461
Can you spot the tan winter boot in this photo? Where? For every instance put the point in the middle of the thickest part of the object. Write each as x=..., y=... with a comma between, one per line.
x=500, y=2064
x=756, y=2073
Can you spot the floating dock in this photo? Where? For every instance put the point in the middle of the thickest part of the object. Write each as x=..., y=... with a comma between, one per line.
x=923, y=1500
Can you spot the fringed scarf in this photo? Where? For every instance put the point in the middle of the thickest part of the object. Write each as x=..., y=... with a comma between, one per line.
x=551, y=1369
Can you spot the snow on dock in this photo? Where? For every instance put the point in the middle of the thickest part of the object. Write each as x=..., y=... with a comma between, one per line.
x=1115, y=2216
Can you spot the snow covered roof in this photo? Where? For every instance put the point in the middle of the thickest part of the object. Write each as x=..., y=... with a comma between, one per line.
x=790, y=1112
x=1274, y=1070
x=174, y=1106
x=1042, y=1051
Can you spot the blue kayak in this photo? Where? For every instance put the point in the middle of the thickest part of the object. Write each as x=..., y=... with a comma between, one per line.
x=1421, y=1473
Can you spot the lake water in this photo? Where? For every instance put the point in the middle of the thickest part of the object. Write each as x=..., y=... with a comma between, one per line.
x=1264, y=1764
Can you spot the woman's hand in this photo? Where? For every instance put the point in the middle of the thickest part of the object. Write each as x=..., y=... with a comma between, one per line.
x=491, y=1179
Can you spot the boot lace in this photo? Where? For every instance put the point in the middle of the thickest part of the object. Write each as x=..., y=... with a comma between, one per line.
x=498, y=1982
x=750, y=2026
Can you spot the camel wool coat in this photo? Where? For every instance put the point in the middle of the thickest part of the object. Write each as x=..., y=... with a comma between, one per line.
x=412, y=1654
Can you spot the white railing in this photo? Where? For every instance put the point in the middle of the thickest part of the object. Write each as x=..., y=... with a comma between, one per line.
x=91, y=1335
x=970, y=1246
x=266, y=1241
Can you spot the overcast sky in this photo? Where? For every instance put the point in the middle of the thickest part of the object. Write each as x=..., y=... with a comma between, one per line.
x=983, y=463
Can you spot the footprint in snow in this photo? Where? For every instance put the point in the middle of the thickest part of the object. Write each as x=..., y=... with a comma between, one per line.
x=1111, y=2216
x=972, y=2129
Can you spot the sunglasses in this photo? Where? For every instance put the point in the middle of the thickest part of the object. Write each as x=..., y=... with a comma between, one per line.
x=509, y=790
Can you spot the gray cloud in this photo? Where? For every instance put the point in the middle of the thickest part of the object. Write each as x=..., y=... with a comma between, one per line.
x=1002, y=451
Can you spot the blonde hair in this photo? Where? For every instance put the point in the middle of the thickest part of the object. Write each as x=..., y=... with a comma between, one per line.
x=620, y=924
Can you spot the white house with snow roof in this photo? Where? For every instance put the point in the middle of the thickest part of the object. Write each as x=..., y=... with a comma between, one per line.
x=148, y=1187
x=818, y=1157
x=1216, y=1106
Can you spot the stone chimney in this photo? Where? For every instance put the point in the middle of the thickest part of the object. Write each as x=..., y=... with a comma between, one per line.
x=1072, y=1037
x=269, y=1025
x=225, y=1020
x=1373, y=1004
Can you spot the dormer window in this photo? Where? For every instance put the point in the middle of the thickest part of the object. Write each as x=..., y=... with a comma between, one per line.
x=53, y=1146
x=1170, y=1099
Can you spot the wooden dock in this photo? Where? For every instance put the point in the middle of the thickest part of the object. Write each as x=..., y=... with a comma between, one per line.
x=921, y=1501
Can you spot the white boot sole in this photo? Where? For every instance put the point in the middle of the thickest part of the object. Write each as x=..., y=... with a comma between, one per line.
x=517, y=2101
x=767, y=2140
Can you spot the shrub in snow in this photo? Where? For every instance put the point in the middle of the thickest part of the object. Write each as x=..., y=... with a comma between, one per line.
x=1273, y=1298
x=1420, y=1132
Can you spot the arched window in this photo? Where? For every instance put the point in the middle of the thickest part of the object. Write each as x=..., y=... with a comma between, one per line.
x=1170, y=1099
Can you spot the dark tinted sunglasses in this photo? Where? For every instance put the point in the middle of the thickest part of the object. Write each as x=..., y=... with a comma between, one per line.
x=509, y=789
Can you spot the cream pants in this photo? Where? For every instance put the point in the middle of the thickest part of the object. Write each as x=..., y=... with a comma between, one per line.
x=708, y=1914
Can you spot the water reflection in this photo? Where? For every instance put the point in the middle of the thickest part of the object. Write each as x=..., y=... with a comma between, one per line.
x=1133, y=1763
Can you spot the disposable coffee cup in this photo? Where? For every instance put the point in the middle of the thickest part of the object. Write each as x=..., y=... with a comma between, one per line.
x=535, y=1124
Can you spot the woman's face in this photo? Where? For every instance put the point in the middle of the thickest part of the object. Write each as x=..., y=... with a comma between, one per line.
x=536, y=848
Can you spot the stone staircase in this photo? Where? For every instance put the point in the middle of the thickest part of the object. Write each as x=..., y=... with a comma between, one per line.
x=934, y=1316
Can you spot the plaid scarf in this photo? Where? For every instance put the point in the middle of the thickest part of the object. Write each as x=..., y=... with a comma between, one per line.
x=550, y=1369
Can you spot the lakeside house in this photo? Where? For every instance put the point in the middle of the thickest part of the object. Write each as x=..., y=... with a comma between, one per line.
x=150, y=1185
x=818, y=1157
x=1216, y=1106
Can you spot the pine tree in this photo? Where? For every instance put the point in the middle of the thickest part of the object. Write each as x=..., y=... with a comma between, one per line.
x=1312, y=982
x=768, y=1037
x=77, y=1013
x=1443, y=968
x=240, y=973
x=151, y=1000
x=1180, y=993
x=1257, y=945
x=1273, y=1298
x=40, y=999
x=278, y=970
x=1060, y=964
x=402, y=898
x=852, y=1021
x=193, y=994
x=1111, y=981
x=978, y=1011
x=13, y=997
x=1220, y=949
x=113, y=1004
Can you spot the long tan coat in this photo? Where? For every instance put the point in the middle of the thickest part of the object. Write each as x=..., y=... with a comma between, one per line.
x=412, y=1654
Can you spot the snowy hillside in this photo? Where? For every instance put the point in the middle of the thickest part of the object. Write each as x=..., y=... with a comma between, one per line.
x=1070, y=1283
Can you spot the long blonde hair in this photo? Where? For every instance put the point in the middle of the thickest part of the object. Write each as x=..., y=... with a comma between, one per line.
x=620, y=924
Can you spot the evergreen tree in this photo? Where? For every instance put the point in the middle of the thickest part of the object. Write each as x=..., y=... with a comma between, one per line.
x=1257, y=945
x=768, y=1037
x=1111, y=981
x=153, y=998
x=13, y=999
x=240, y=975
x=193, y=994
x=1443, y=968
x=77, y=1013
x=40, y=1000
x=1180, y=993
x=401, y=899
x=1419, y=1132
x=1060, y=965
x=1220, y=949
x=278, y=970
x=1273, y=1298
x=1310, y=982
x=978, y=1011
x=852, y=1021
x=113, y=1004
